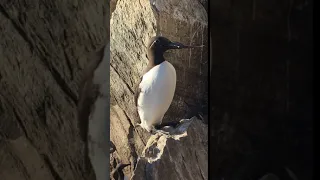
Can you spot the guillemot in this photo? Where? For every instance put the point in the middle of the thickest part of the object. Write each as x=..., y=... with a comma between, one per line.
x=154, y=93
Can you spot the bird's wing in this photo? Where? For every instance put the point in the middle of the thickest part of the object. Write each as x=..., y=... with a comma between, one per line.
x=137, y=88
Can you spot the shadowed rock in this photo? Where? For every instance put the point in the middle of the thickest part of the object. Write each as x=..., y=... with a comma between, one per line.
x=45, y=47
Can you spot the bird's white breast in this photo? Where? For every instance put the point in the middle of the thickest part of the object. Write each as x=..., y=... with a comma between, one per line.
x=157, y=90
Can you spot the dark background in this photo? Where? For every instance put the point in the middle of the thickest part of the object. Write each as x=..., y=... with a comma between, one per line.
x=261, y=94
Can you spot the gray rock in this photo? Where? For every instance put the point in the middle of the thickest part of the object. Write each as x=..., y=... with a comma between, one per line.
x=180, y=155
x=133, y=23
x=44, y=48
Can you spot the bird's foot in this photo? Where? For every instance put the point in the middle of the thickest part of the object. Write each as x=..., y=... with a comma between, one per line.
x=159, y=129
x=167, y=125
x=154, y=131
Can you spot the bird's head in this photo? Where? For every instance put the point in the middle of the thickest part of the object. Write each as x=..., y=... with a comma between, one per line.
x=158, y=45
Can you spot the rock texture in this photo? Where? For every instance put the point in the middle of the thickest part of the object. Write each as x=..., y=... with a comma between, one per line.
x=133, y=23
x=45, y=45
x=181, y=155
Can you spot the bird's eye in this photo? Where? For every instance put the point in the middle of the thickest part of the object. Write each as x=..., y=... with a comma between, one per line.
x=154, y=42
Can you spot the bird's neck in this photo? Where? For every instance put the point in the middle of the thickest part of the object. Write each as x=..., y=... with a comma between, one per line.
x=155, y=58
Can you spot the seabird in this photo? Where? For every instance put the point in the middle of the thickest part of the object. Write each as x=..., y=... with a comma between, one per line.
x=154, y=93
x=93, y=116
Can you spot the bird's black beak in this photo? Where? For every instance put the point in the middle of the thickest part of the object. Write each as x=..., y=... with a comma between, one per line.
x=177, y=45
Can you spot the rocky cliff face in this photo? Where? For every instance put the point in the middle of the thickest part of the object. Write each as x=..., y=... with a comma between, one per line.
x=44, y=47
x=261, y=87
x=181, y=155
x=132, y=24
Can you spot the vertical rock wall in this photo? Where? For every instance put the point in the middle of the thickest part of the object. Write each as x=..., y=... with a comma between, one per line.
x=133, y=23
x=44, y=47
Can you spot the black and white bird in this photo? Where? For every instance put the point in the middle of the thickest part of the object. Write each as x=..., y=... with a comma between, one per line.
x=154, y=93
x=93, y=113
